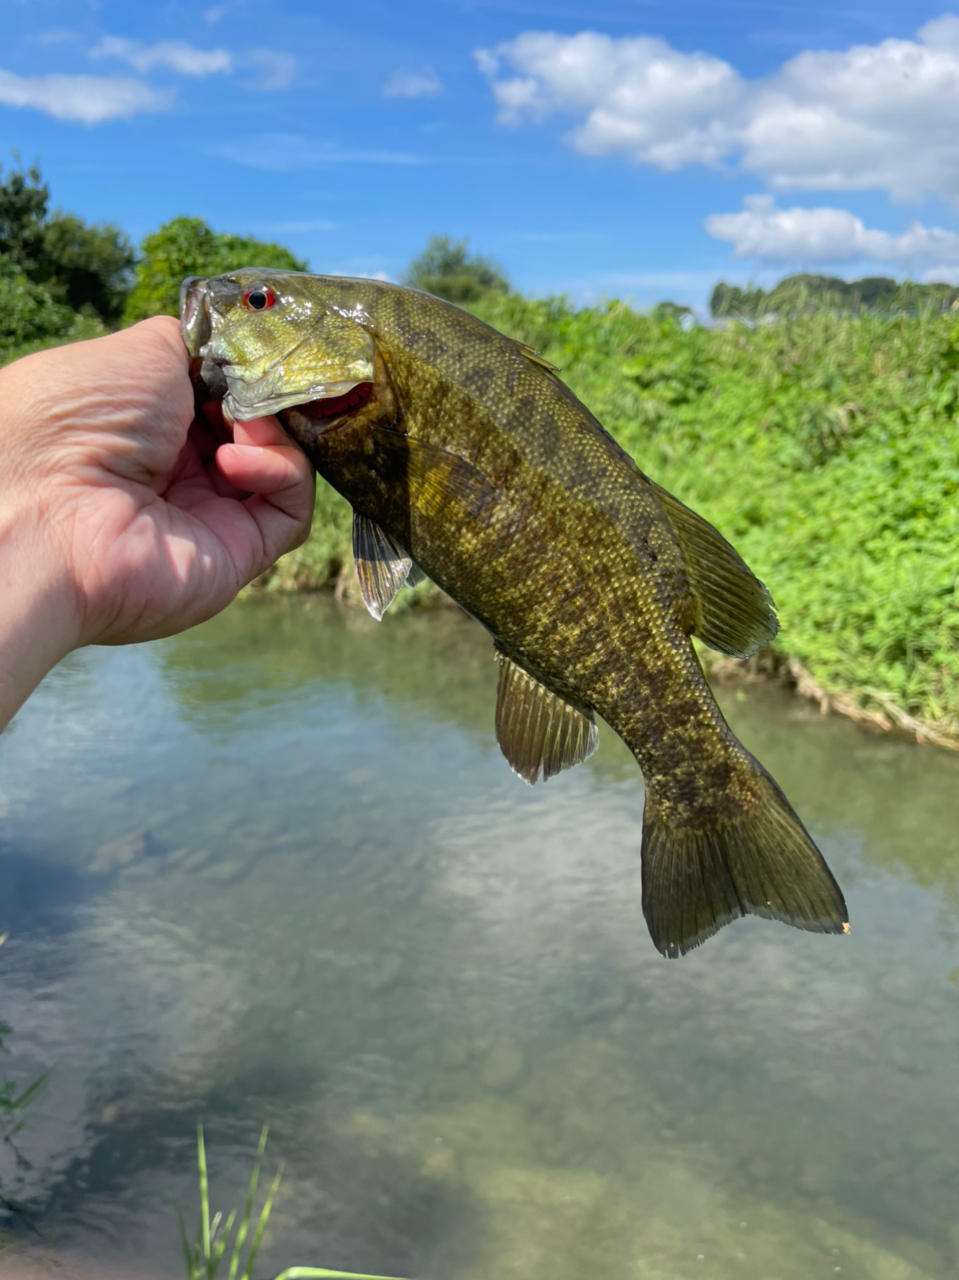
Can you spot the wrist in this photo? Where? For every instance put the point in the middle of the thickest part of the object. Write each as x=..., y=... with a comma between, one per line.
x=39, y=618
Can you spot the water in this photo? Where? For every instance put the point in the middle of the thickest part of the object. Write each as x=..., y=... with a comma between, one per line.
x=277, y=870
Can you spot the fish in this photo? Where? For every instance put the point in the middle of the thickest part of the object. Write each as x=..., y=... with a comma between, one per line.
x=467, y=460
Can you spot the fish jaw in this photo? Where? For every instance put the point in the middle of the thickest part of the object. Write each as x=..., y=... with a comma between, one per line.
x=262, y=362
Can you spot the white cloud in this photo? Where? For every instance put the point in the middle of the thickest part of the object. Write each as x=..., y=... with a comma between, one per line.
x=872, y=117
x=57, y=35
x=638, y=95
x=272, y=71
x=422, y=83
x=212, y=16
x=827, y=235
x=175, y=55
x=82, y=99
x=288, y=152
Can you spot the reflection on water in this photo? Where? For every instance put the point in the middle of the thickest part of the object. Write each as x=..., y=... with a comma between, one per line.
x=276, y=869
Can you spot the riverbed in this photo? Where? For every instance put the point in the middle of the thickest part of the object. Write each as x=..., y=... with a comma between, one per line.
x=276, y=871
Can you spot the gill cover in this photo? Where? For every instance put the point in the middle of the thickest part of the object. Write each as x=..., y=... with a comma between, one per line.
x=262, y=361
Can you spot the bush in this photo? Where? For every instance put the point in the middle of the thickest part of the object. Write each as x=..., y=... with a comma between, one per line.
x=27, y=312
x=188, y=247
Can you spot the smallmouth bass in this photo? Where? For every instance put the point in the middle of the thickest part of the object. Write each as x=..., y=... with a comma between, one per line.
x=466, y=458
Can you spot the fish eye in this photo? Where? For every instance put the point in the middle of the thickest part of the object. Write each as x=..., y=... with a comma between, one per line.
x=259, y=297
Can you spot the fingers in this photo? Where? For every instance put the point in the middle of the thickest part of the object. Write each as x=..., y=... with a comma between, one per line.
x=263, y=461
x=258, y=469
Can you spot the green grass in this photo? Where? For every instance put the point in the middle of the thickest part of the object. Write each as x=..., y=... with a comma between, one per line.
x=826, y=449
x=217, y=1239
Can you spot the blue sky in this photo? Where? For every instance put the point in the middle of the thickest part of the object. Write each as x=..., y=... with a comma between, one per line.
x=633, y=149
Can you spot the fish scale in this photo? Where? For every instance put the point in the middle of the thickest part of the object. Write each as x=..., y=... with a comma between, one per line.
x=467, y=457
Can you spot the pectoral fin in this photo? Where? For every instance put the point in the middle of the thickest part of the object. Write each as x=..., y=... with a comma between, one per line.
x=734, y=612
x=381, y=566
x=537, y=731
x=436, y=476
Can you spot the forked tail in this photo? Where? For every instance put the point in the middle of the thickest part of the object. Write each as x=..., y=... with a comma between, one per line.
x=695, y=880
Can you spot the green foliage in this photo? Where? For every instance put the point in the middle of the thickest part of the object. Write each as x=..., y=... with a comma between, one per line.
x=23, y=207
x=28, y=313
x=86, y=268
x=671, y=311
x=730, y=301
x=799, y=294
x=209, y=1249
x=447, y=270
x=188, y=247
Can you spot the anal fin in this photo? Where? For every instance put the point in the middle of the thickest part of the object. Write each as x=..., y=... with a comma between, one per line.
x=538, y=732
x=381, y=566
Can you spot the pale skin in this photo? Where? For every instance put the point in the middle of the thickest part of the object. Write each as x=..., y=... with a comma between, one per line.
x=121, y=517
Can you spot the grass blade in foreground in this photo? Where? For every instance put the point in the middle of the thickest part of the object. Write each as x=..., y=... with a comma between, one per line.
x=203, y=1260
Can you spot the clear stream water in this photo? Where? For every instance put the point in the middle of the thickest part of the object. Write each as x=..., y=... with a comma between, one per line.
x=277, y=870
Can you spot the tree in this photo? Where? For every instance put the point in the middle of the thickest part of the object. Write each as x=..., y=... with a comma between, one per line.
x=23, y=208
x=447, y=270
x=86, y=268
x=188, y=247
x=732, y=301
x=668, y=310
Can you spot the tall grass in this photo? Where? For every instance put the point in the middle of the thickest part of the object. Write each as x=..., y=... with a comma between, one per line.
x=216, y=1239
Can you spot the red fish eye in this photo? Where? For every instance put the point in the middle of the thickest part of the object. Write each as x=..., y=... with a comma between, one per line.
x=259, y=297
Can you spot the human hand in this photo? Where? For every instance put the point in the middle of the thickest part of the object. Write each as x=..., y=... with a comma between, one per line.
x=121, y=518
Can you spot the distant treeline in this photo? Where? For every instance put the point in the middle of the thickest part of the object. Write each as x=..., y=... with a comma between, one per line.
x=61, y=277
x=807, y=294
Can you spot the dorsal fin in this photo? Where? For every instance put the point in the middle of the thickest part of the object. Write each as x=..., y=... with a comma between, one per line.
x=537, y=731
x=734, y=611
x=381, y=566
x=534, y=356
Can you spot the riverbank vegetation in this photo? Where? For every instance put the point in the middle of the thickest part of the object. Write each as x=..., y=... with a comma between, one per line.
x=823, y=444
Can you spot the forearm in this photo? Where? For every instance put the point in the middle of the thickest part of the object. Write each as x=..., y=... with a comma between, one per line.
x=37, y=607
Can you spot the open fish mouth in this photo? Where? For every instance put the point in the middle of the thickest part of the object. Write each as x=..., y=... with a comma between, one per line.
x=341, y=406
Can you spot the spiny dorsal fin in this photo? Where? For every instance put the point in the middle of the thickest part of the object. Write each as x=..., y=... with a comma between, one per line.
x=734, y=611
x=534, y=356
x=537, y=731
x=381, y=566
x=415, y=575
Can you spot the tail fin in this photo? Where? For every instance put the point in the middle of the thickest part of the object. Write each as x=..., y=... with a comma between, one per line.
x=695, y=880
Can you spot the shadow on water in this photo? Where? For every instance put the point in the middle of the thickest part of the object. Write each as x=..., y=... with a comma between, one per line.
x=331, y=906
x=39, y=894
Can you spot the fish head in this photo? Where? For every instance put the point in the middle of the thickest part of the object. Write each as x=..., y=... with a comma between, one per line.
x=264, y=341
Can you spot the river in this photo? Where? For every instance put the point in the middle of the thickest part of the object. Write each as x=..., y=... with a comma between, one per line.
x=276, y=870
